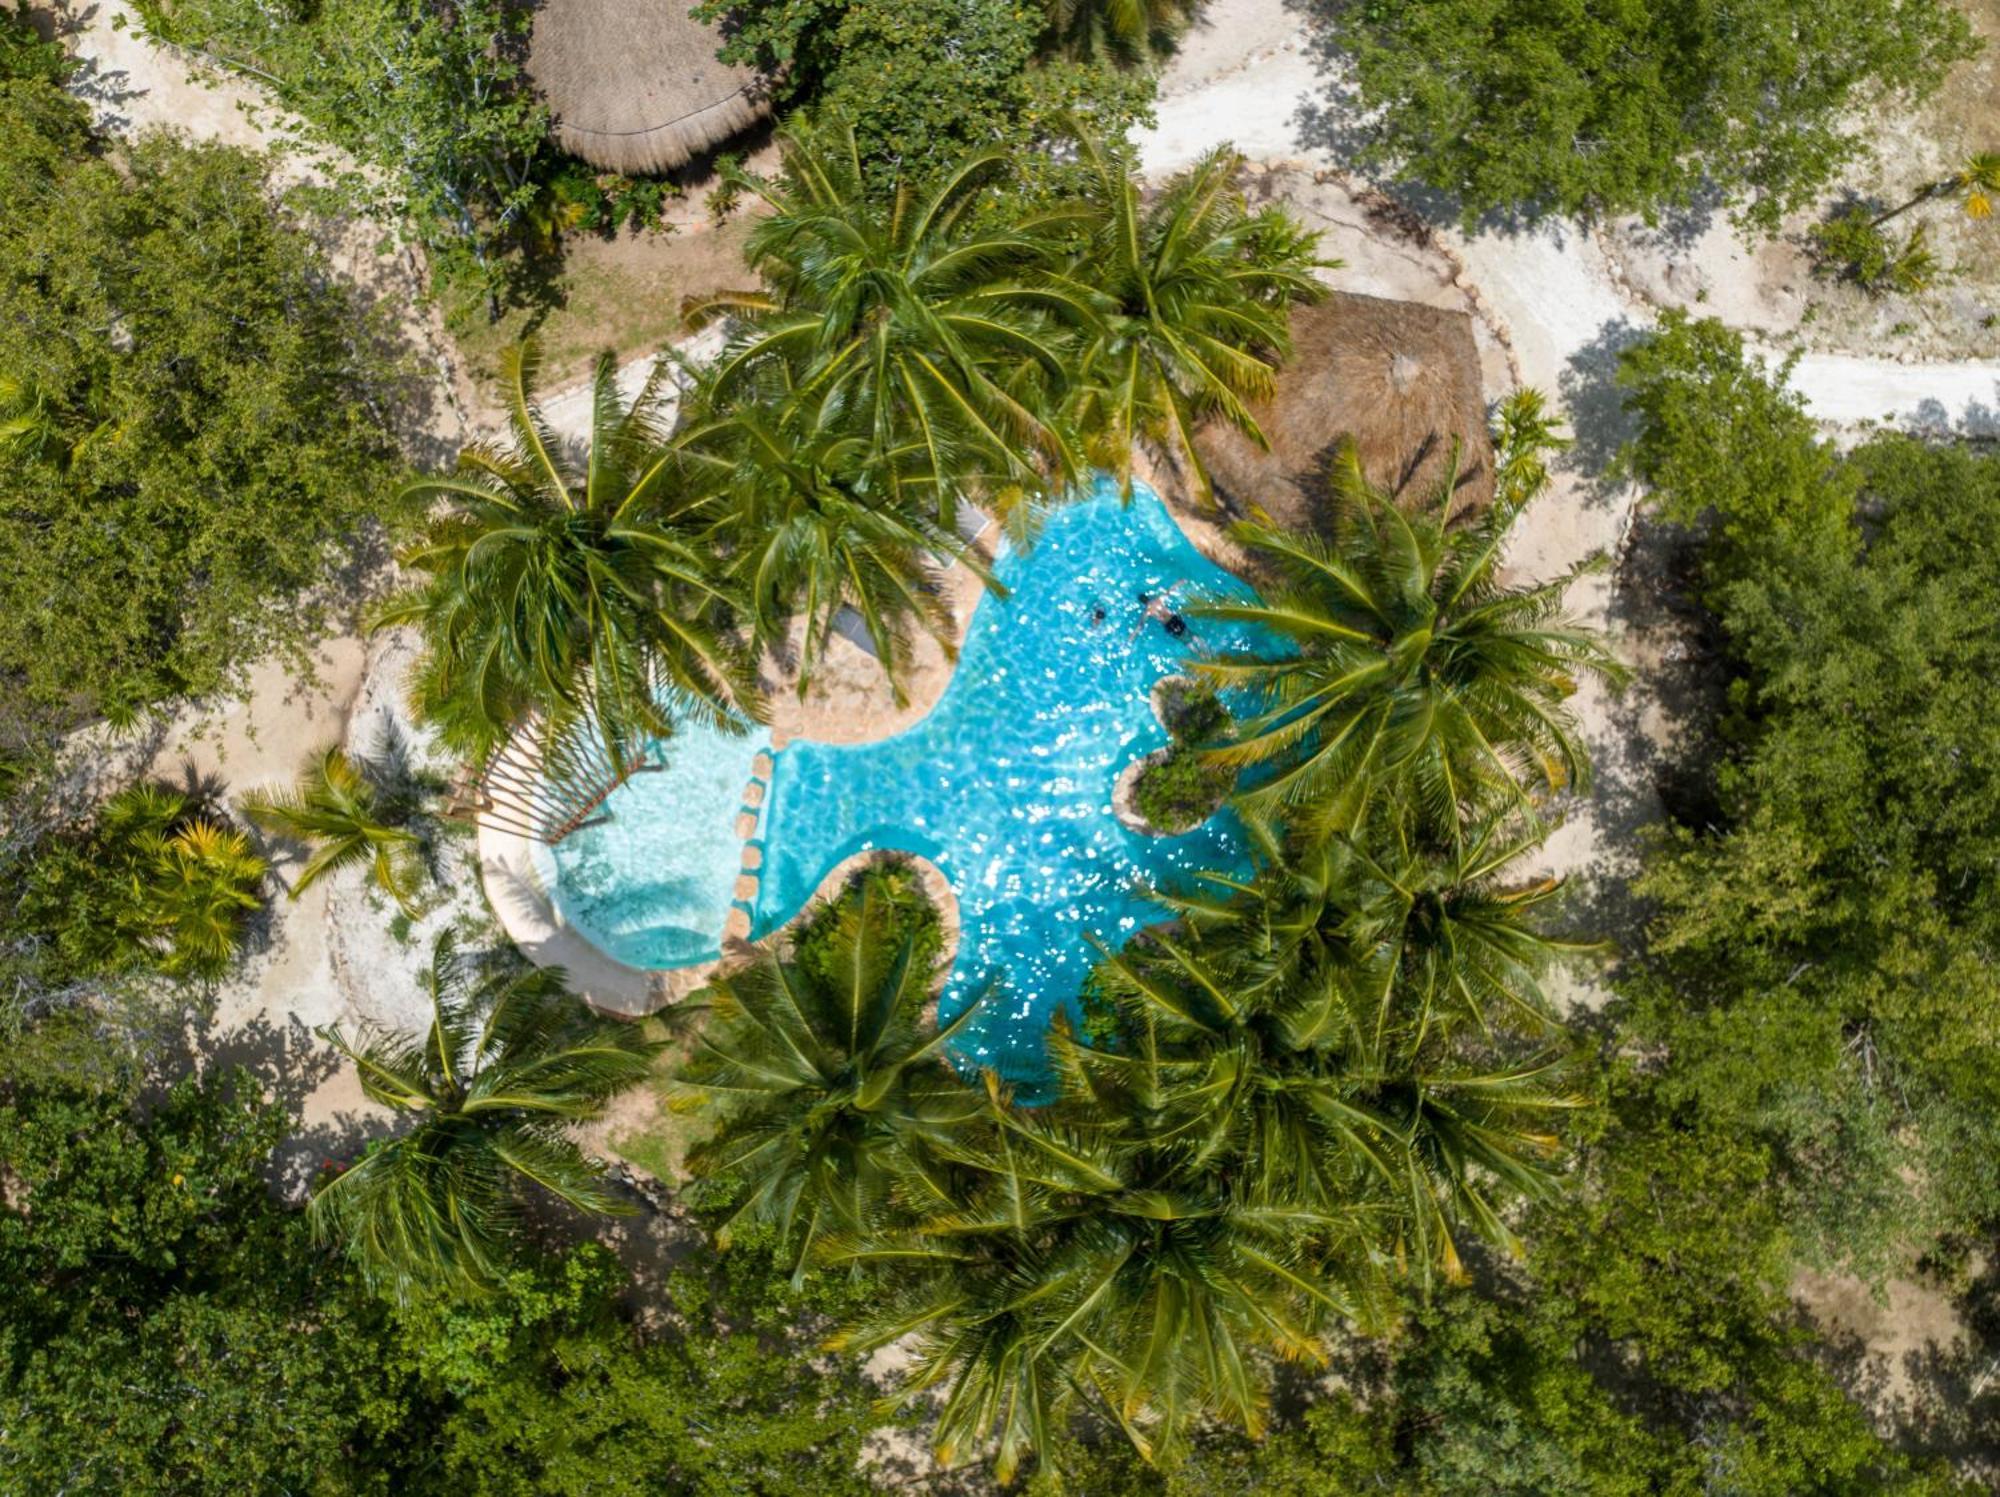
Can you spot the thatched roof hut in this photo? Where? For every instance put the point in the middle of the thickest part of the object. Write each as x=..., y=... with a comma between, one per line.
x=634, y=84
x=1399, y=378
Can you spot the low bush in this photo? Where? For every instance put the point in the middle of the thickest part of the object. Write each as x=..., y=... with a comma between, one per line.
x=1850, y=246
x=1181, y=790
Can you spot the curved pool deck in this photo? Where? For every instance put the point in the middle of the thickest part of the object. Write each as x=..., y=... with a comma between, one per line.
x=1005, y=785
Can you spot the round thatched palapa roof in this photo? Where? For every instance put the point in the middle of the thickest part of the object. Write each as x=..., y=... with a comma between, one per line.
x=1398, y=378
x=634, y=84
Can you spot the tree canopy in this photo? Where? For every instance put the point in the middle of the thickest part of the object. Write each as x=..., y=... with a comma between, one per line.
x=1624, y=106
x=194, y=419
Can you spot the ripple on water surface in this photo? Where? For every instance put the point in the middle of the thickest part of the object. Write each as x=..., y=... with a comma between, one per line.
x=1005, y=785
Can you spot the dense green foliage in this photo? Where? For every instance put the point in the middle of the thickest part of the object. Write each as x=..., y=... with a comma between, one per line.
x=166, y=1327
x=925, y=83
x=156, y=882
x=192, y=418
x=1822, y=959
x=428, y=99
x=1619, y=106
x=24, y=54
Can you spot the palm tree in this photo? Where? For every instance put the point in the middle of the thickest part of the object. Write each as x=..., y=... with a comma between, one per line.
x=825, y=1089
x=1447, y=933
x=571, y=593
x=1192, y=293
x=1974, y=184
x=819, y=517
x=510, y=1060
x=930, y=324
x=343, y=811
x=1341, y=1089
x=1123, y=31
x=1110, y=1250
x=1409, y=664
x=185, y=882
x=1914, y=267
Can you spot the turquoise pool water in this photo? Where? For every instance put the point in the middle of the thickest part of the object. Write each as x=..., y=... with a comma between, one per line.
x=1005, y=785
x=651, y=884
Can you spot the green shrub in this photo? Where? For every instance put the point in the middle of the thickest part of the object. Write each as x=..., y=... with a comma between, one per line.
x=1181, y=790
x=156, y=884
x=1194, y=714
x=1849, y=246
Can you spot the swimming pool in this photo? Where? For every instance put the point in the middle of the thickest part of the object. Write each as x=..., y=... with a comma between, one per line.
x=1005, y=785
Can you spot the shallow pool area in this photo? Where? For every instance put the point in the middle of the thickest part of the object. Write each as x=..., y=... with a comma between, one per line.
x=652, y=881
x=1005, y=785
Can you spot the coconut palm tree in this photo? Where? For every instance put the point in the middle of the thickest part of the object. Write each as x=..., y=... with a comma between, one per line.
x=510, y=1060
x=1124, y=31
x=930, y=324
x=1975, y=183
x=1340, y=1088
x=1110, y=1250
x=1192, y=293
x=1452, y=933
x=1410, y=672
x=825, y=1088
x=571, y=591
x=349, y=813
x=820, y=518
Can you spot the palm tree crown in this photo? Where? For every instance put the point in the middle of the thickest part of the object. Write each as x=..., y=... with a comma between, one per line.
x=1410, y=663
x=1192, y=294
x=570, y=592
x=342, y=809
x=934, y=328
x=509, y=1061
x=821, y=517
x=824, y=1083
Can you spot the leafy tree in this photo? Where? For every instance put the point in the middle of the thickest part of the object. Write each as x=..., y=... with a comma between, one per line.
x=510, y=1059
x=926, y=83
x=429, y=98
x=1413, y=674
x=1819, y=964
x=1192, y=292
x=24, y=54
x=816, y=1070
x=930, y=322
x=166, y=1326
x=204, y=410
x=348, y=815
x=584, y=597
x=158, y=1331
x=1630, y=108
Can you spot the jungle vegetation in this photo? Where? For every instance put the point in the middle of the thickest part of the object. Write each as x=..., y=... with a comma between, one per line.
x=1332, y=1117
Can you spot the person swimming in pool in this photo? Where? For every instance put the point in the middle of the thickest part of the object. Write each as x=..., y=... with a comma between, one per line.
x=1157, y=609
